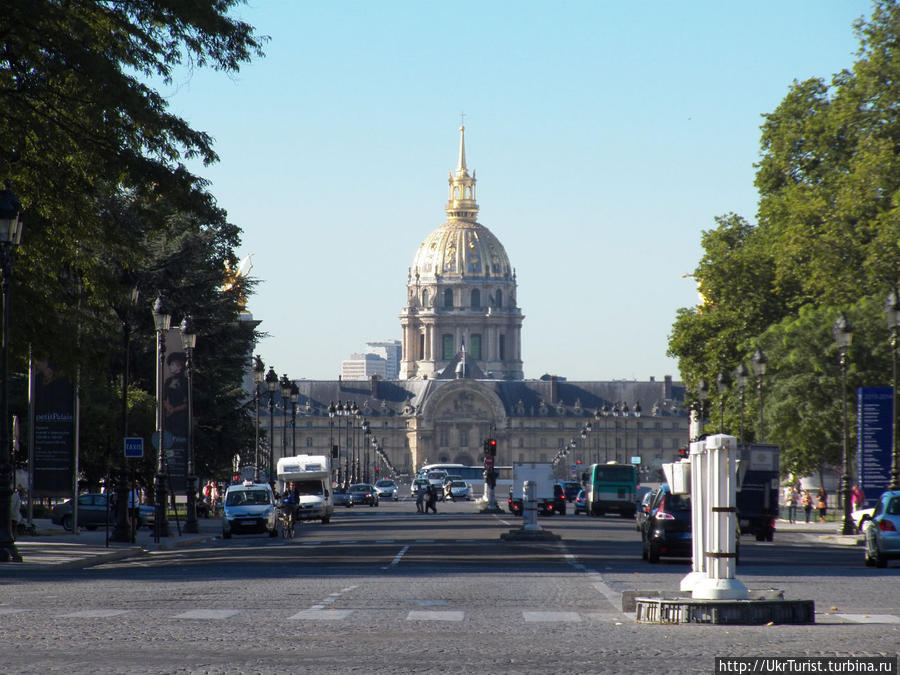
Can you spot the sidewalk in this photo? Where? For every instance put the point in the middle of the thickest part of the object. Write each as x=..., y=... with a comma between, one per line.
x=52, y=547
x=828, y=532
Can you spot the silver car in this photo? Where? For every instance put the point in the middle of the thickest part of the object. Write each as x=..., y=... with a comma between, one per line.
x=883, y=533
x=249, y=507
x=387, y=489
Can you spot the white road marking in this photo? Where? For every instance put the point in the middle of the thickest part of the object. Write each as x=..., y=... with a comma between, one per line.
x=206, y=614
x=869, y=618
x=435, y=615
x=322, y=614
x=95, y=613
x=556, y=617
x=10, y=610
x=397, y=558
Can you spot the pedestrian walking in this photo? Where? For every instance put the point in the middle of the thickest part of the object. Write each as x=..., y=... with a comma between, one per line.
x=806, y=503
x=793, y=499
x=857, y=497
x=420, y=501
x=431, y=502
x=822, y=503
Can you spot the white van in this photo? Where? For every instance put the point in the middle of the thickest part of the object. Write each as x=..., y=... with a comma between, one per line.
x=311, y=476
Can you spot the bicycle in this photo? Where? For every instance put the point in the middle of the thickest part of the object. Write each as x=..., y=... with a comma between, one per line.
x=286, y=523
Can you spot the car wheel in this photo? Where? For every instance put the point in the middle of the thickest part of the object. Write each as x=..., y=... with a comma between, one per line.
x=653, y=554
x=643, y=551
x=870, y=562
x=67, y=523
x=879, y=560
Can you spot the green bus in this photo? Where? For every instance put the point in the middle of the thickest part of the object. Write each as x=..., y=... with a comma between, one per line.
x=612, y=487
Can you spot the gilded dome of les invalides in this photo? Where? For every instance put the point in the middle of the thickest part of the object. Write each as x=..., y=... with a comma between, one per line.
x=461, y=247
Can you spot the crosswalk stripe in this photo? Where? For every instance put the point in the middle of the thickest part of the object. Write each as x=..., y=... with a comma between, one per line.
x=322, y=614
x=435, y=615
x=555, y=617
x=869, y=618
x=207, y=614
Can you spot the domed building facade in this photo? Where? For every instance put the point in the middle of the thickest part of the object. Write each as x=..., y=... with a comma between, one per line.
x=461, y=294
x=462, y=380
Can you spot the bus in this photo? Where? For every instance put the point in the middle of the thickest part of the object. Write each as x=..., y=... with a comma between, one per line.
x=612, y=487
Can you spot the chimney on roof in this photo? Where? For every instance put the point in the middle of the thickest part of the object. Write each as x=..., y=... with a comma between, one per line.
x=667, y=388
x=373, y=386
x=554, y=390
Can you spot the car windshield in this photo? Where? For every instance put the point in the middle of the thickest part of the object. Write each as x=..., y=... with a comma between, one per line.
x=458, y=484
x=361, y=487
x=677, y=502
x=385, y=483
x=247, y=498
x=437, y=475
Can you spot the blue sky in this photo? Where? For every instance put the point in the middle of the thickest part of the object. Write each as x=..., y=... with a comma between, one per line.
x=606, y=136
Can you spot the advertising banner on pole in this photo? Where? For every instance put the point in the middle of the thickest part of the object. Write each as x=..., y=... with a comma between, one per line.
x=175, y=409
x=54, y=432
x=875, y=432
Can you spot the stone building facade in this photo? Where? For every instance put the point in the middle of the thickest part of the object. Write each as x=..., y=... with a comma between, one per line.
x=461, y=378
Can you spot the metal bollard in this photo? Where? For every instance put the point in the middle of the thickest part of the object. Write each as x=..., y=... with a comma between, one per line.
x=529, y=507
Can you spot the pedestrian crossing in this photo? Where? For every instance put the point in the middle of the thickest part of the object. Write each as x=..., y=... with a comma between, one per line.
x=428, y=611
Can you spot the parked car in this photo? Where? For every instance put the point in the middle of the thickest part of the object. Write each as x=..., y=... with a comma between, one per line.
x=364, y=493
x=458, y=489
x=249, y=508
x=571, y=489
x=581, y=505
x=387, y=489
x=342, y=497
x=92, y=512
x=883, y=532
x=643, y=510
x=666, y=530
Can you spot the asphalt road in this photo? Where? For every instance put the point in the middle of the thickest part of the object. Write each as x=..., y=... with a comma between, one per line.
x=384, y=589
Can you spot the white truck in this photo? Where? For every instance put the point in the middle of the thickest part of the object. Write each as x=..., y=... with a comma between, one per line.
x=546, y=494
x=311, y=476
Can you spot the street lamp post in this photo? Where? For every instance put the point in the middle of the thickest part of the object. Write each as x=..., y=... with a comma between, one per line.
x=703, y=395
x=742, y=376
x=636, y=411
x=285, y=397
x=295, y=396
x=271, y=386
x=10, y=237
x=605, y=412
x=125, y=494
x=626, y=412
x=162, y=320
x=759, y=368
x=722, y=384
x=892, y=312
x=353, y=415
x=366, y=432
x=259, y=374
x=615, y=414
x=189, y=341
x=331, y=412
x=842, y=332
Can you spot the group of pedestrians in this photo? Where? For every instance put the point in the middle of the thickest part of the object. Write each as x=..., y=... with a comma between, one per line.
x=795, y=495
x=427, y=499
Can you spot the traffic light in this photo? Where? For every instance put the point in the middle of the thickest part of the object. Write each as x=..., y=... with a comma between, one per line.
x=490, y=448
x=683, y=453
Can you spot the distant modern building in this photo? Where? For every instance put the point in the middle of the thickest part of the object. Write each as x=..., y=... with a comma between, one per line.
x=460, y=378
x=390, y=351
x=364, y=366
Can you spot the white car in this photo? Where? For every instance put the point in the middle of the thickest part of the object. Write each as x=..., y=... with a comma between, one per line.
x=387, y=489
x=862, y=517
x=458, y=489
x=249, y=508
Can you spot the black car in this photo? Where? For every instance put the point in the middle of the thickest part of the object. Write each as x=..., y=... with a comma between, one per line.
x=666, y=528
x=363, y=493
x=571, y=489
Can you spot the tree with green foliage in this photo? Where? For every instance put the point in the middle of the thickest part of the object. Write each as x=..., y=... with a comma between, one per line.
x=95, y=157
x=827, y=240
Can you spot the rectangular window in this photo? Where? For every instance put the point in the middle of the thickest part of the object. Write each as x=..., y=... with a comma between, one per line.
x=447, y=351
x=464, y=438
x=502, y=347
x=475, y=346
x=445, y=438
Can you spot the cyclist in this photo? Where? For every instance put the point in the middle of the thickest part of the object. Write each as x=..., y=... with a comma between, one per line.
x=289, y=503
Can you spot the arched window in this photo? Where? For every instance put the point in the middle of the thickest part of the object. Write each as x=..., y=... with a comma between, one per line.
x=425, y=298
x=448, y=298
x=476, y=299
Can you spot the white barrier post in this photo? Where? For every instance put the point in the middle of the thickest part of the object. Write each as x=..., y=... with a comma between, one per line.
x=529, y=507
x=720, y=582
x=699, y=524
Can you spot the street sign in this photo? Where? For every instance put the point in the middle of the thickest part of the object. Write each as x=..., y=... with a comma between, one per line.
x=134, y=447
x=488, y=462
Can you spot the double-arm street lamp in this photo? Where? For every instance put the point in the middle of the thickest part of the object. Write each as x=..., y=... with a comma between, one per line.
x=366, y=432
x=331, y=413
x=295, y=396
x=259, y=375
x=10, y=237
x=162, y=320
x=189, y=341
x=285, y=397
x=722, y=384
x=842, y=332
x=125, y=493
x=892, y=312
x=759, y=368
x=742, y=376
x=271, y=386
